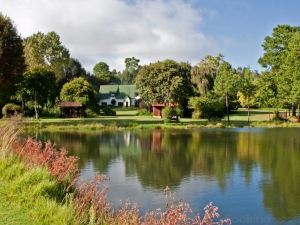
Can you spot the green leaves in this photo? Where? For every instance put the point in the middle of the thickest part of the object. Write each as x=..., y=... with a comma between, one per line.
x=101, y=71
x=226, y=82
x=281, y=58
x=46, y=50
x=164, y=82
x=11, y=58
x=78, y=90
x=204, y=73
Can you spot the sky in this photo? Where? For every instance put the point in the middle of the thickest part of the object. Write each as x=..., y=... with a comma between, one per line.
x=152, y=30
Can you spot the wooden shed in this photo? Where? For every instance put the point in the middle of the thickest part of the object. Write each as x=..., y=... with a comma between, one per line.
x=71, y=109
x=158, y=107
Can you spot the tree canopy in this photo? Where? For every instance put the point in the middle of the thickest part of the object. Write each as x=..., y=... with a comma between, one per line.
x=11, y=58
x=78, y=90
x=131, y=69
x=164, y=82
x=203, y=74
x=101, y=71
x=46, y=50
x=38, y=88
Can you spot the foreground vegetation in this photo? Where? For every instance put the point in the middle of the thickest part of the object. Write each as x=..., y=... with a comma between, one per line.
x=39, y=186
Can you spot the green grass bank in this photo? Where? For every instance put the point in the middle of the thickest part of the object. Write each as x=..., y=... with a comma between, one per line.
x=129, y=120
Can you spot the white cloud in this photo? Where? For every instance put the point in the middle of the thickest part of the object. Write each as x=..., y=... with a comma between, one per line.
x=110, y=30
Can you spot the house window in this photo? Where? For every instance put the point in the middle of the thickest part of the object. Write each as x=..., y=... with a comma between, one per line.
x=120, y=103
x=104, y=103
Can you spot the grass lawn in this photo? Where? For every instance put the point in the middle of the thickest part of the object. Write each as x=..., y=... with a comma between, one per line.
x=30, y=196
x=9, y=215
x=129, y=119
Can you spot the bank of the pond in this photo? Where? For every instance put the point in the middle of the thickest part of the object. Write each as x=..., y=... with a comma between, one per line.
x=38, y=186
x=111, y=123
x=31, y=196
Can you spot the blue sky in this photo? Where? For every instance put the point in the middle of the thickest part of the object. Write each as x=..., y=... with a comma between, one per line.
x=245, y=24
x=151, y=30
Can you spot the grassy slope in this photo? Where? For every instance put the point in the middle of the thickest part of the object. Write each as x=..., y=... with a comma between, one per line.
x=29, y=196
x=128, y=119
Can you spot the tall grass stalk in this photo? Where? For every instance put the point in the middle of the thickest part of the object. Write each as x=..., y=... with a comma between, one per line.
x=9, y=131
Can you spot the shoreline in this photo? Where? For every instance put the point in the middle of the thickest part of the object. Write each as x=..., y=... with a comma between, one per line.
x=119, y=123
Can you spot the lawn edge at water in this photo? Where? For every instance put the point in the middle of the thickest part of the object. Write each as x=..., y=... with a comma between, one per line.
x=36, y=179
x=98, y=124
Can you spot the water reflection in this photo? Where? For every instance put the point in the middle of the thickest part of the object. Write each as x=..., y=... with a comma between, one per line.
x=239, y=162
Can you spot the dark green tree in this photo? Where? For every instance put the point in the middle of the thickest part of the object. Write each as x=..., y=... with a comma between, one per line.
x=276, y=50
x=131, y=69
x=101, y=71
x=289, y=79
x=74, y=69
x=164, y=82
x=37, y=88
x=275, y=47
x=12, y=62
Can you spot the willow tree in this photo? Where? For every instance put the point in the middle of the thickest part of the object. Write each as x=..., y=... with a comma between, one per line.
x=203, y=74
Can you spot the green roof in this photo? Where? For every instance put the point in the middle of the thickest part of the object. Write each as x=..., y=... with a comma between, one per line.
x=120, y=91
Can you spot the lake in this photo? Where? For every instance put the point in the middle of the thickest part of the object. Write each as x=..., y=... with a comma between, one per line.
x=252, y=174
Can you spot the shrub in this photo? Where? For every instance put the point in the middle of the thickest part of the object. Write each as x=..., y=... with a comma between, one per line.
x=207, y=108
x=107, y=111
x=90, y=113
x=144, y=112
x=11, y=109
x=171, y=113
x=60, y=166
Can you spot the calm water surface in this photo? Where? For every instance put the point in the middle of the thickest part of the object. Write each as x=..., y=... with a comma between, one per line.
x=253, y=175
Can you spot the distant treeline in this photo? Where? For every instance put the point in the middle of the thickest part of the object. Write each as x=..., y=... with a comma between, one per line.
x=38, y=71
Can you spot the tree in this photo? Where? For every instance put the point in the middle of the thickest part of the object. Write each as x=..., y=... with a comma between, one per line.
x=12, y=62
x=78, y=90
x=131, y=69
x=204, y=73
x=246, y=89
x=289, y=81
x=275, y=47
x=46, y=50
x=73, y=69
x=206, y=106
x=164, y=82
x=226, y=84
x=267, y=91
x=38, y=88
x=101, y=71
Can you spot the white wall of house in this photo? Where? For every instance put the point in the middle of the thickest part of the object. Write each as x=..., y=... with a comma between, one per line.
x=127, y=102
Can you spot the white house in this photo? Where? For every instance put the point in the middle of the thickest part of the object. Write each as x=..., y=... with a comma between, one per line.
x=118, y=95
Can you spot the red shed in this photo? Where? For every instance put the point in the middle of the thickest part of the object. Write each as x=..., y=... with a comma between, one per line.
x=71, y=109
x=158, y=107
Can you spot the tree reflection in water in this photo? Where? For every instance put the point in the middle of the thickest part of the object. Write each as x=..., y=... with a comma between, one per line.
x=164, y=158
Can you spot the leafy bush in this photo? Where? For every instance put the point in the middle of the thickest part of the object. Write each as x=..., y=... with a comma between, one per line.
x=208, y=108
x=144, y=112
x=171, y=113
x=90, y=113
x=107, y=111
x=11, y=109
